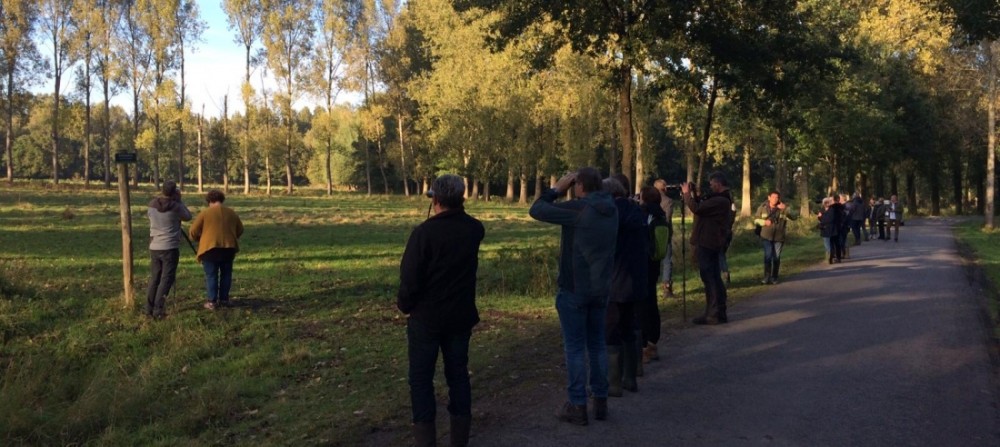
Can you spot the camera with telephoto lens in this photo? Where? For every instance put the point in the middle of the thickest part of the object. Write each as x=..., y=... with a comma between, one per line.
x=429, y=193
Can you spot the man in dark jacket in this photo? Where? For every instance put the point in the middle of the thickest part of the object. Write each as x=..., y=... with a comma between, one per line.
x=712, y=224
x=857, y=212
x=586, y=257
x=437, y=289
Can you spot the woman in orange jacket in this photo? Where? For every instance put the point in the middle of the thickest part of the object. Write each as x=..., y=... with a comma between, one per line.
x=217, y=230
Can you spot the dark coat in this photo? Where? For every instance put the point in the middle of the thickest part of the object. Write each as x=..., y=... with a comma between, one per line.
x=713, y=219
x=830, y=221
x=437, y=276
x=587, y=245
x=628, y=280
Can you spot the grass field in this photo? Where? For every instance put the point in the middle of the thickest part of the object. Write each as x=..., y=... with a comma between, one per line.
x=983, y=246
x=313, y=353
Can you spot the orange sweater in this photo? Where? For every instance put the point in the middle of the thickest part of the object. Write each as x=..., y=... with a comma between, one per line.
x=216, y=227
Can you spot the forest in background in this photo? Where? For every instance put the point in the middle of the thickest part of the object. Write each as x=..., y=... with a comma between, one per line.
x=807, y=97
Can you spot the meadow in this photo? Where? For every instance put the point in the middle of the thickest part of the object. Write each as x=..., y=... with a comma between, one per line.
x=312, y=353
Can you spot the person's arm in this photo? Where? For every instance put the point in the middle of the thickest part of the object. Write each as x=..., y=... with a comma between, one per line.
x=183, y=211
x=410, y=273
x=546, y=210
x=196, y=227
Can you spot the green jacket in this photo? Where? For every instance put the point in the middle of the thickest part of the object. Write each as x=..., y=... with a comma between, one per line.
x=779, y=219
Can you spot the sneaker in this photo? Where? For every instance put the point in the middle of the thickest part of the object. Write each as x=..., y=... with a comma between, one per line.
x=574, y=414
x=209, y=305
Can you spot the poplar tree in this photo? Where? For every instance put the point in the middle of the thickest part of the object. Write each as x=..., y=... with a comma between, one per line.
x=20, y=59
x=57, y=25
x=246, y=17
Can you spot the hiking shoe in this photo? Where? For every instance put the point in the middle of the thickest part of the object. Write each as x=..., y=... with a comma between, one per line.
x=574, y=414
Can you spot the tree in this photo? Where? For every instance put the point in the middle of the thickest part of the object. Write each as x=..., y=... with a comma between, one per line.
x=56, y=20
x=246, y=17
x=188, y=30
x=331, y=18
x=287, y=37
x=88, y=26
x=108, y=70
x=134, y=44
x=18, y=20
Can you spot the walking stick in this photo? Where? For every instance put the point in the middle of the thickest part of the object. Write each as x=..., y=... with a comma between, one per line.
x=186, y=238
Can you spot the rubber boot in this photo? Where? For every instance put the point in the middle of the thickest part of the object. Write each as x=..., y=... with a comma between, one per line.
x=425, y=434
x=460, y=426
x=615, y=370
x=774, y=271
x=767, y=273
x=630, y=363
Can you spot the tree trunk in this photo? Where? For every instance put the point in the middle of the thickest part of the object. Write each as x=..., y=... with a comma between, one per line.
x=87, y=122
x=402, y=155
x=745, y=210
x=9, y=125
x=834, y=181
x=474, y=189
x=911, y=194
x=288, y=156
x=523, y=196
x=201, y=149
x=625, y=116
x=640, y=171
x=510, y=185
x=713, y=94
x=55, y=126
x=363, y=142
x=486, y=190
x=803, y=188
x=690, y=164
x=956, y=181
x=780, y=171
x=991, y=139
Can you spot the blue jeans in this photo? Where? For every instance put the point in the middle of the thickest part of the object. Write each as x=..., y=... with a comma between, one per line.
x=218, y=279
x=772, y=251
x=423, y=345
x=582, y=322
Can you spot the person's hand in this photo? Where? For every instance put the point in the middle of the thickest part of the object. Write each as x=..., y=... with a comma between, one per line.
x=565, y=183
x=767, y=223
x=685, y=188
x=781, y=206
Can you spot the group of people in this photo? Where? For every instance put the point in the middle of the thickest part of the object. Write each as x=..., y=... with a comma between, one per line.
x=217, y=229
x=841, y=216
x=614, y=250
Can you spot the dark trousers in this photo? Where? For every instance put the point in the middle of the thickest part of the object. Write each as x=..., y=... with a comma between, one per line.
x=218, y=278
x=836, y=247
x=856, y=229
x=648, y=310
x=893, y=223
x=162, y=274
x=423, y=345
x=881, y=229
x=711, y=276
x=620, y=323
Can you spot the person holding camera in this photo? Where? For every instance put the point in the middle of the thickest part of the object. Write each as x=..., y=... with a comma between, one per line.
x=218, y=230
x=437, y=290
x=586, y=257
x=772, y=218
x=712, y=225
x=165, y=215
x=667, y=205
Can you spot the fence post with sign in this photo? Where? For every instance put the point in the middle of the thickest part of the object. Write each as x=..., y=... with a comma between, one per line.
x=123, y=159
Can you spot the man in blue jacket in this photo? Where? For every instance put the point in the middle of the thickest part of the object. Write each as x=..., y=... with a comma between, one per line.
x=437, y=289
x=586, y=257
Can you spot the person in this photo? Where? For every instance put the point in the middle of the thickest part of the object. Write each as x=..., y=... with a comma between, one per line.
x=712, y=224
x=217, y=230
x=586, y=257
x=166, y=212
x=880, y=217
x=772, y=218
x=667, y=205
x=845, y=225
x=893, y=217
x=723, y=261
x=648, y=310
x=829, y=223
x=437, y=290
x=870, y=215
x=628, y=287
x=857, y=216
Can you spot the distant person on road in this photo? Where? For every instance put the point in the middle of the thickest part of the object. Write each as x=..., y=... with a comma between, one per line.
x=772, y=218
x=871, y=221
x=437, y=289
x=217, y=230
x=829, y=223
x=628, y=288
x=880, y=217
x=893, y=217
x=667, y=205
x=648, y=310
x=166, y=212
x=586, y=257
x=712, y=225
x=857, y=217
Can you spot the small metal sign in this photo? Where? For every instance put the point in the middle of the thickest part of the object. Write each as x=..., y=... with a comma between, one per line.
x=126, y=157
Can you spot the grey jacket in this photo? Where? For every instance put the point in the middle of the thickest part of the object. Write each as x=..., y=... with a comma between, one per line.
x=589, y=234
x=165, y=216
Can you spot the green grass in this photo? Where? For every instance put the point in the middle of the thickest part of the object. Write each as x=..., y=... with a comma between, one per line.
x=314, y=354
x=983, y=246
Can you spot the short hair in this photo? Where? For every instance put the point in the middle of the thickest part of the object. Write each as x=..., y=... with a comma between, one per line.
x=449, y=191
x=774, y=191
x=169, y=188
x=613, y=187
x=589, y=179
x=624, y=180
x=658, y=183
x=827, y=201
x=835, y=197
x=214, y=196
x=649, y=194
x=719, y=177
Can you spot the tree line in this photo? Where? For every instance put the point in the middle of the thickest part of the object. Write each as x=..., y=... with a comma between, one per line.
x=807, y=96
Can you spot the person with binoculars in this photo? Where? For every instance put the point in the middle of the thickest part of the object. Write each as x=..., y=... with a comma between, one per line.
x=713, y=221
x=166, y=212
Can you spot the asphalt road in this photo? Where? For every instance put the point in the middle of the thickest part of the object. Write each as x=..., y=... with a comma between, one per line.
x=889, y=348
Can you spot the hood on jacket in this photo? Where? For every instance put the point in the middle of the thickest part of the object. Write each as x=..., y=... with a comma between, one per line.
x=601, y=202
x=163, y=204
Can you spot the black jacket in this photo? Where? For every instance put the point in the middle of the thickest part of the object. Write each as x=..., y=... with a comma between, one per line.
x=628, y=280
x=437, y=276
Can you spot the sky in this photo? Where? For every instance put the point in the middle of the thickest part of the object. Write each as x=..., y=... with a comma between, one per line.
x=213, y=70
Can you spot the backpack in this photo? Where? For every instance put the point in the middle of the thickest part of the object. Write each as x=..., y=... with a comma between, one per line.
x=659, y=236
